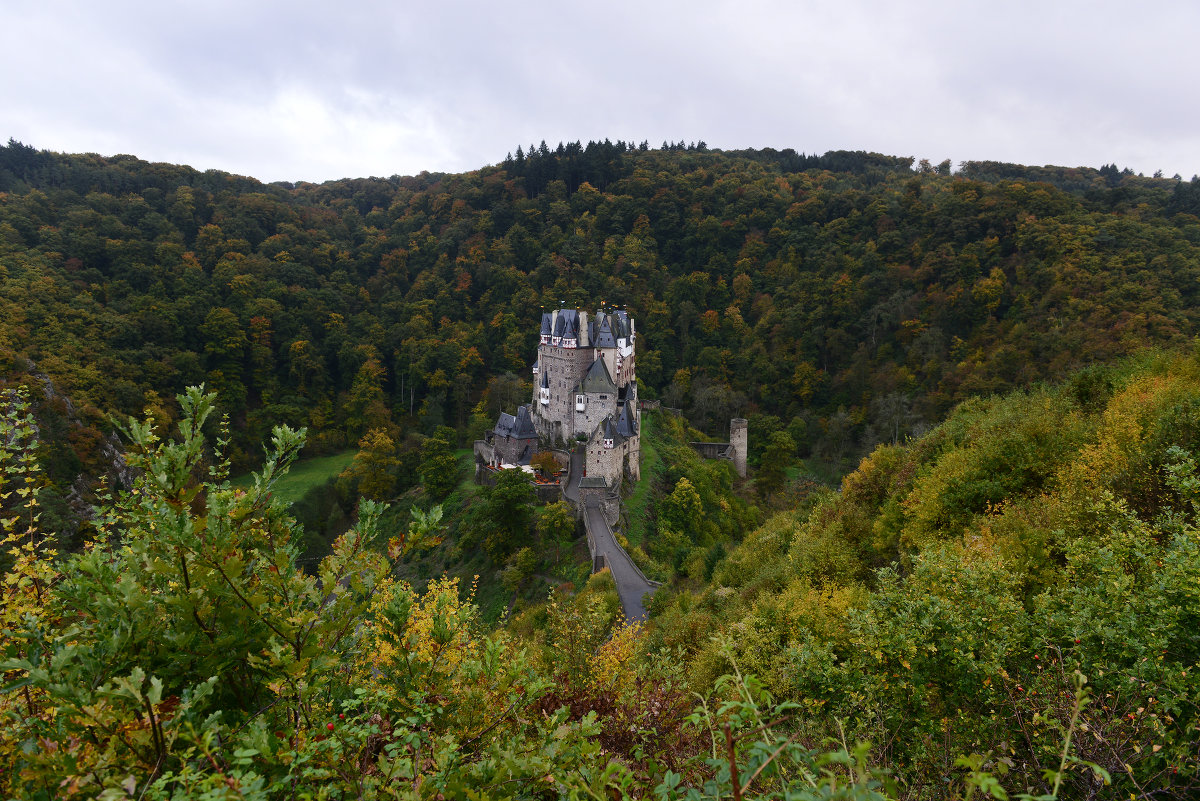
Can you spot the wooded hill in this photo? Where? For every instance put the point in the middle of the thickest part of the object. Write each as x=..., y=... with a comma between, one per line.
x=947, y=600
x=923, y=633
x=846, y=297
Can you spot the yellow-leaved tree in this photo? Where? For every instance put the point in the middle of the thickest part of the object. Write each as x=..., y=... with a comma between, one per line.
x=29, y=572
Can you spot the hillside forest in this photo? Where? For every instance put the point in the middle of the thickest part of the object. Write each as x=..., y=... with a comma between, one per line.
x=965, y=563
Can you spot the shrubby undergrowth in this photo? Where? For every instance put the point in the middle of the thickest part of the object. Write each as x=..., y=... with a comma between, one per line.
x=1007, y=606
x=943, y=603
x=184, y=654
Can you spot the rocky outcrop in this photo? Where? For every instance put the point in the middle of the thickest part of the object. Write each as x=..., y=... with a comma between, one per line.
x=115, y=473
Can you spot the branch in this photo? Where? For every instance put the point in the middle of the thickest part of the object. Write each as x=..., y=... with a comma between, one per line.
x=733, y=771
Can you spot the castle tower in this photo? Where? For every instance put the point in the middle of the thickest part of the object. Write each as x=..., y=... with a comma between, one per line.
x=584, y=391
x=739, y=438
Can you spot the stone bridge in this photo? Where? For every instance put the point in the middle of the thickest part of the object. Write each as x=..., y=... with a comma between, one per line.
x=713, y=450
x=632, y=584
x=734, y=450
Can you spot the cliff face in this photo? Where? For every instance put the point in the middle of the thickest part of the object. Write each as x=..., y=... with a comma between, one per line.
x=76, y=458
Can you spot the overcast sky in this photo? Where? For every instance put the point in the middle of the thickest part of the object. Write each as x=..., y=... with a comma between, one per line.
x=321, y=90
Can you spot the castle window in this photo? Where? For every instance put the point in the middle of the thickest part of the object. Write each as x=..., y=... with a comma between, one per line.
x=602, y=397
x=580, y=402
x=608, y=443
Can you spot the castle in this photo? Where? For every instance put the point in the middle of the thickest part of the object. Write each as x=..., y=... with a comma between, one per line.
x=585, y=391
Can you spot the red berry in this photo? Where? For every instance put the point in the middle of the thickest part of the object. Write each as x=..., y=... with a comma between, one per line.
x=1077, y=641
x=329, y=726
x=1035, y=656
x=341, y=716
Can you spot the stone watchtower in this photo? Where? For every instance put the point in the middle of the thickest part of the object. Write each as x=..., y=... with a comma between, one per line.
x=739, y=439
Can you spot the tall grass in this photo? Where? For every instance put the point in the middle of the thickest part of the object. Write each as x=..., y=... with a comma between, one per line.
x=637, y=505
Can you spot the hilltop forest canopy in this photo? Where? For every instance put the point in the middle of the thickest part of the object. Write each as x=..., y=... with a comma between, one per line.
x=849, y=298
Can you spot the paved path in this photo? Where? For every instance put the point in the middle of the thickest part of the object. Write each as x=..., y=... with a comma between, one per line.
x=631, y=585
x=571, y=490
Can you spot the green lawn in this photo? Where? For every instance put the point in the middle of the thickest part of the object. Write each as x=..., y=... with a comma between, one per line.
x=635, y=505
x=305, y=474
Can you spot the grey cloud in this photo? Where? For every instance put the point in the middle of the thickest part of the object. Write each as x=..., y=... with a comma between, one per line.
x=303, y=90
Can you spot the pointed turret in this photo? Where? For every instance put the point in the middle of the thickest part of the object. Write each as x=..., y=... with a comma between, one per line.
x=627, y=422
x=604, y=335
x=612, y=434
x=566, y=329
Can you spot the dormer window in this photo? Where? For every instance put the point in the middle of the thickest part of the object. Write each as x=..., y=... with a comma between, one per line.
x=608, y=444
x=545, y=339
x=544, y=396
x=569, y=342
x=535, y=369
x=556, y=341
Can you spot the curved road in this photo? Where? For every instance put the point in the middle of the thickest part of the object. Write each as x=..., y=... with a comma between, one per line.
x=571, y=490
x=631, y=584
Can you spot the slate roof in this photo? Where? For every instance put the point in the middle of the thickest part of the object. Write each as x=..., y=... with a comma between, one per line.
x=627, y=422
x=519, y=426
x=612, y=431
x=590, y=482
x=567, y=324
x=525, y=427
x=604, y=336
x=621, y=327
x=597, y=379
x=547, y=317
x=505, y=425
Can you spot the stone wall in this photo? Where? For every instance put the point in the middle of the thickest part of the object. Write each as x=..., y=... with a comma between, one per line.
x=633, y=458
x=625, y=356
x=545, y=493
x=596, y=407
x=713, y=450
x=613, y=464
x=484, y=455
x=734, y=451
x=548, y=493
x=606, y=499
x=608, y=463
x=565, y=368
x=511, y=449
